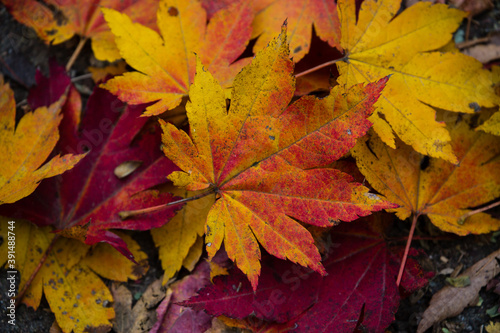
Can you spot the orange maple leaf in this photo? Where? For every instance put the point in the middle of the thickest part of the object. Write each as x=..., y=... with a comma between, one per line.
x=166, y=64
x=261, y=159
x=300, y=16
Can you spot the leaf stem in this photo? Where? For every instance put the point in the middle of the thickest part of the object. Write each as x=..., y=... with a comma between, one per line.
x=407, y=249
x=325, y=64
x=20, y=296
x=131, y=213
x=472, y=212
x=75, y=54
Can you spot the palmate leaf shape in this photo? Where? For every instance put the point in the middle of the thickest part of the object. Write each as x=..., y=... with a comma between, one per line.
x=300, y=16
x=78, y=298
x=27, y=145
x=379, y=43
x=442, y=191
x=56, y=21
x=166, y=64
x=260, y=158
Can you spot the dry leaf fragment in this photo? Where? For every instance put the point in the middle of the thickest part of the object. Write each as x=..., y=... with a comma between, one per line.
x=484, y=53
x=142, y=316
x=450, y=301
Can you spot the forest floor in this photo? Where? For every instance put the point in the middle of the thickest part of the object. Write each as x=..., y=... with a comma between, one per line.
x=21, y=53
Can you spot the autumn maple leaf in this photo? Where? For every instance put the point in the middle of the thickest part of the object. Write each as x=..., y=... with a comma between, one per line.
x=27, y=145
x=442, y=191
x=492, y=125
x=379, y=43
x=300, y=16
x=65, y=271
x=165, y=63
x=180, y=238
x=302, y=298
x=56, y=21
x=120, y=167
x=261, y=159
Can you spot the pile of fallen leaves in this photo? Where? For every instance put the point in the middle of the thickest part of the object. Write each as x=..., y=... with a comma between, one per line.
x=263, y=187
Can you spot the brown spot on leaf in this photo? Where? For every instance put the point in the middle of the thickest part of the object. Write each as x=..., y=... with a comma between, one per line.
x=172, y=11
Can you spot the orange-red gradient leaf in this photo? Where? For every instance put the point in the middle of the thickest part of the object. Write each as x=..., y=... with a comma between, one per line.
x=262, y=155
x=165, y=62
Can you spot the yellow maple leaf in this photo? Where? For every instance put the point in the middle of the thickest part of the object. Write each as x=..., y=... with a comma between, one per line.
x=27, y=146
x=379, y=43
x=78, y=298
x=492, y=125
x=176, y=239
x=445, y=192
x=165, y=62
x=106, y=261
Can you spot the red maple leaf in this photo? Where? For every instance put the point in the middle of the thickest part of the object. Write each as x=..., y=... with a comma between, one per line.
x=361, y=283
x=91, y=195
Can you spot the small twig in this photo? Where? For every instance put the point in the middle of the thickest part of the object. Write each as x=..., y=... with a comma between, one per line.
x=75, y=54
x=81, y=77
x=407, y=249
x=473, y=42
x=37, y=269
x=323, y=65
x=480, y=210
x=131, y=213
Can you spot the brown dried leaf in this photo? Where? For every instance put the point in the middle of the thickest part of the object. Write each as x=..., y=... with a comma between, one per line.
x=450, y=301
x=142, y=316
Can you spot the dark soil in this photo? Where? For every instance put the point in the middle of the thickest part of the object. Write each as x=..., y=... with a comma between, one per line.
x=21, y=53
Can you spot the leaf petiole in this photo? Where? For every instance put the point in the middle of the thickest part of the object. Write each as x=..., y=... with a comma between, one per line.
x=407, y=249
x=480, y=210
x=131, y=213
x=325, y=64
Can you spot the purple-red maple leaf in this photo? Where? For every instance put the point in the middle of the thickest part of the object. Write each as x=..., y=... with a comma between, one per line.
x=91, y=195
x=361, y=283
